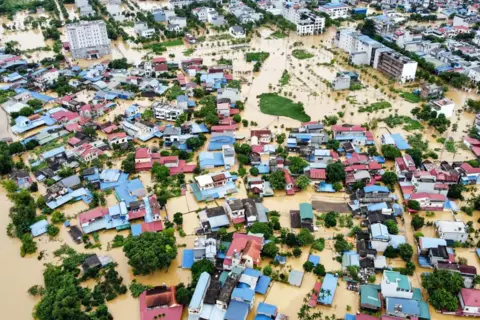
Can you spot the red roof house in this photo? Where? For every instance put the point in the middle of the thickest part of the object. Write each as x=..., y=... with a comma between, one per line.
x=160, y=302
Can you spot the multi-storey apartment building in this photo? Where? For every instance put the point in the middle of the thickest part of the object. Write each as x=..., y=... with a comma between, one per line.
x=88, y=39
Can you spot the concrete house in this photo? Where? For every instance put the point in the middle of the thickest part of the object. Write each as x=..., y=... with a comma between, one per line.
x=396, y=285
x=452, y=230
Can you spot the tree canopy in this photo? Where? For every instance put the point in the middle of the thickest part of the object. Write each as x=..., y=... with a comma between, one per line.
x=335, y=172
x=297, y=165
x=150, y=251
x=390, y=152
x=277, y=180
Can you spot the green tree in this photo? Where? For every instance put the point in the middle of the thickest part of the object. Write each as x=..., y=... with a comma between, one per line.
x=406, y=251
x=335, y=172
x=456, y=191
x=417, y=222
x=58, y=217
x=150, y=251
x=160, y=172
x=119, y=64
x=262, y=228
x=297, y=165
x=391, y=226
x=441, y=299
x=270, y=250
x=128, y=165
x=414, y=205
x=6, y=162
x=291, y=239
x=52, y=230
x=368, y=27
x=29, y=246
x=341, y=245
x=22, y=212
x=302, y=182
x=305, y=237
x=297, y=252
x=254, y=171
x=26, y=112
x=200, y=267
x=148, y=115
x=308, y=266
x=416, y=155
x=277, y=180
x=182, y=294
x=331, y=219
x=390, y=178
x=16, y=147
x=237, y=118
x=267, y=270
x=178, y=218
x=194, y=144
x=390, y=152
x=390, y=252
x=319, y=270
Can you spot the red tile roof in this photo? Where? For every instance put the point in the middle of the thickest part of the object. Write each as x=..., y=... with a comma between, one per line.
x=470, y=297
x=140, y=213
x=223, y=128
x=154, y=226
x=472, y=141
x=431, y=196
x=318, y=174
x=142, y=153
x=118, y=135
x=469, y=169
x=92, y=214
x=239, y=243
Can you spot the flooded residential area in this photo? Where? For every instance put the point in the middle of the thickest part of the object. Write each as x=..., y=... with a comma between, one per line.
x=238, y=159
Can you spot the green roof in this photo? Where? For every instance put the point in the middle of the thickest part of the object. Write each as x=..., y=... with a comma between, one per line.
x=401, y=280
x=417, y=294
x=369, y=296
x=424, y=312
x=306, y=211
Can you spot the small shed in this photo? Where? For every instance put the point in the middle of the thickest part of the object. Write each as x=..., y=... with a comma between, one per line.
x=262, y=284
x=90, y=262
x=39, y=228
x=295, y=278
x=187, y=260
x=76, y=234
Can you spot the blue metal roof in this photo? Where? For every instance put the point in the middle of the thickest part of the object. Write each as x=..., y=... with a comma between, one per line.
x=245, y=294
x=252, y=272
x=200, y=290
x=237, y=310
x=400, y=142
x=314, y=259
x=427, y=243
x=39, y=228
x=375, y=188
x=266, y=309
x=349, y=316
x=136, y=229
x=262, y=284
x=187, y=260
x=379, y=231
x=396, y=240
x=329, y=286
x=377, y=206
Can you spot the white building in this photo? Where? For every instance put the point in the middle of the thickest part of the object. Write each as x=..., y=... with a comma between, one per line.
x=474, y=74
x=88, y=39
x=166, y=112
x=228, y=153
x=443, y=106
x=307, y=23
x=142, y=30
x=452, y=230
x=237, y=32
x=114, y=9
x=335, y=10
x=396, y=285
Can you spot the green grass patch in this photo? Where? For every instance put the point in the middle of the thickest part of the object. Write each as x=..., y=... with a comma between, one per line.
x=279, y=35
x=410, y=97
x=441, y=140
x=374, y=107
x=285, y=78
x=301, y=54
x=188, y=52
x=172, y=43
x=450, y=146
x=409, y=124
x=257, y=56
x=275, y=105
x=234, y=84
x=356, y=86
x=222, y=60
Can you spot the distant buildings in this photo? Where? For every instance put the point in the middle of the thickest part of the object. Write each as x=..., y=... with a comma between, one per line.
x=306, y=21
x=88, y=39
x=335, y=10
x=364, y=50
